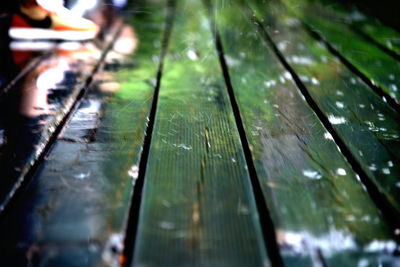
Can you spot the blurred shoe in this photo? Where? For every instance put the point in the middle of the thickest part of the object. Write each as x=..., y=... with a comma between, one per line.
x=37, y=22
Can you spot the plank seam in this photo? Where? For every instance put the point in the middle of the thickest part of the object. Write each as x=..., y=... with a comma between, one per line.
x=371, y=40
x=380, y=200
x=379, y=91
x=136, y=199
x=267, y=225
x=20, y=184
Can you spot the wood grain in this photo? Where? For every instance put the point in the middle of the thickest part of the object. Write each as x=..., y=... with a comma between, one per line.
x=198, y=207
x=319, y=208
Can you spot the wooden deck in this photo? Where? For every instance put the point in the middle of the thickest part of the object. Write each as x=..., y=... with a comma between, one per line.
x=205, y=133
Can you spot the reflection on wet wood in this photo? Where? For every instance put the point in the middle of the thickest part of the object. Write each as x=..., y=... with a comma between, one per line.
x=320, y=210
x=382, y=69
x=197, y=206
x=16, y=63
x=34, y=108
x=74, y=212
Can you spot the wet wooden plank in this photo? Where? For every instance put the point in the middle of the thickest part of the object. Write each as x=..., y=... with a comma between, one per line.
x=74, y=213
x=320, y=210
x=380, y=68
x=370, y=28
x=366, y=124
x=197, y=206
x=34, y=108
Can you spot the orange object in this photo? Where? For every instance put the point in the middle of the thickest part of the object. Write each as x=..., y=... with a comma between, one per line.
x=37, y=22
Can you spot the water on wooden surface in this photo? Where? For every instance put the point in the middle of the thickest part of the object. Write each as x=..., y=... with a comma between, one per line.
x=198, y=207
x=379, y=67
x=296, y=159
x=367, y=124
x=74, y=212
x=33, y=108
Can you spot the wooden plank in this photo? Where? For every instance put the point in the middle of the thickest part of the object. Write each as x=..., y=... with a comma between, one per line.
x=380, y=68
x=371, y=28
x=366, y=124
x=32, y=111
x=320, y=210
x=197, y=206
x=74, y=213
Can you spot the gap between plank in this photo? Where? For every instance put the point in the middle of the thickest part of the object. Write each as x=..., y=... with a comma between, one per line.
x=392, y=103
x=22, y=182
x=371, y=40
x=391, y=215
x=267, y=225
x=134, y=211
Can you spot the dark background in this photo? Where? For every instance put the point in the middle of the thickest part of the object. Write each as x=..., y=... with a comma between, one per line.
x=388, y=11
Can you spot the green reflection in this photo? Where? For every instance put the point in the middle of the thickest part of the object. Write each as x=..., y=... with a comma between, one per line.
x=125, y=118
x=198, y=207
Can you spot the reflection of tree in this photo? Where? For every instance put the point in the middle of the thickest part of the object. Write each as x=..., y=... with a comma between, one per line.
x=132, y=83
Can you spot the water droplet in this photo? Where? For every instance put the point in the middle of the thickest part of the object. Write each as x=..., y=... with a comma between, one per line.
x=314, y=81
x=166, y=225
x=82, y=176
x=185, y=147
x=312, y=174
x=372, y=167
x=134, y=172
x=287, y=75
x=341, y=171
x=381, y=246
x=339, y=104
x=336, y=120
x=218, y=156
x=282, y=45
x=270, y=83
x=302, y=60
x=192, y=55
x=232, y=62
x=328, y=136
